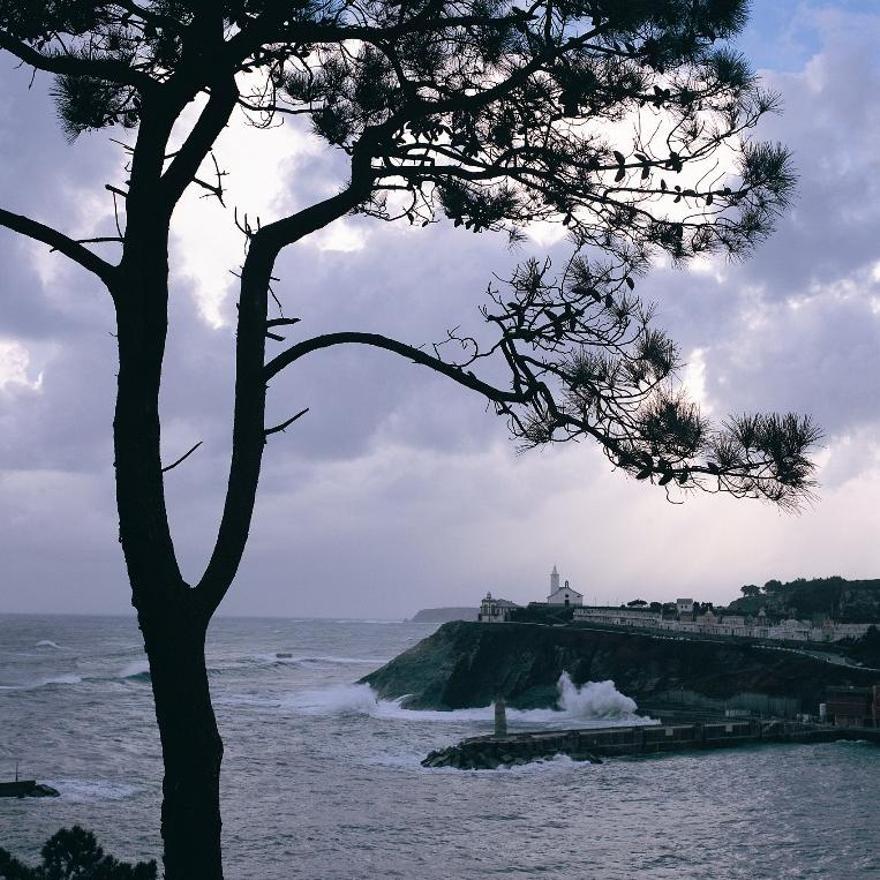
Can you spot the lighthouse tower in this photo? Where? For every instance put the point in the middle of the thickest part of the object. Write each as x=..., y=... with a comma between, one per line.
x=554, y=580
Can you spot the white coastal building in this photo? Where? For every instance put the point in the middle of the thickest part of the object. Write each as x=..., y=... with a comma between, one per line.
x=494, y=610
x=715, y=624
x=563, y=595
x=619, y=616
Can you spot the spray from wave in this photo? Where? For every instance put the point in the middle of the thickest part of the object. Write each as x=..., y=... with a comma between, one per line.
x=593, y=703
x=595, y=699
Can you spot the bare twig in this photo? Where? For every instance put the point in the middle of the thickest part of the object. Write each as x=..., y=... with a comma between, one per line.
x=182, y=458
x=286, y=424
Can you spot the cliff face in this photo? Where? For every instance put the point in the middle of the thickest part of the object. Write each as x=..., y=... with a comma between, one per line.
x=467, y=664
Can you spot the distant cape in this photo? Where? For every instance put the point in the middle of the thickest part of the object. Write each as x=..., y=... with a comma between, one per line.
x=444, y=615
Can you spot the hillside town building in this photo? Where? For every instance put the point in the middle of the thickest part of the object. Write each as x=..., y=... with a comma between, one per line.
x=685, y=617
x=854, y=706
x=564, y=595
x=494, y=610
x=719, y=624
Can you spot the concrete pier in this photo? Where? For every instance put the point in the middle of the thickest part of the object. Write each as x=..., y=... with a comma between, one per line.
x=592, y=744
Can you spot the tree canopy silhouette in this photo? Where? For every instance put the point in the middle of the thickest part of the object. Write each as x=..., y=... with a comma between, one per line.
x=74, y=854
x=627, y=121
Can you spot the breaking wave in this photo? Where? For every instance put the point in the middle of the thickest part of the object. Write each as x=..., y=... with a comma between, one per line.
x=595, y=699
x=89, y=791
x=45, y=643
x=593, y=702
x=43, y=682
x=137, y=670
x=61, y=679
x=283, y=658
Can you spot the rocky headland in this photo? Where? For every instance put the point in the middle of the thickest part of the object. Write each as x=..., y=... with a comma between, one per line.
x=465, y=665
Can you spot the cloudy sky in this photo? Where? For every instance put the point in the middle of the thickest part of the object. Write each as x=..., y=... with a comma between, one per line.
x=398, y=490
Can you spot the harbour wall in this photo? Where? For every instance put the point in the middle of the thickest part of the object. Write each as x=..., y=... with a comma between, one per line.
x=591, y=744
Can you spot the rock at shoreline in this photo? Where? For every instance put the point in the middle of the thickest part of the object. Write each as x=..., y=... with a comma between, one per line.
x=27, y=788
x=490, y=755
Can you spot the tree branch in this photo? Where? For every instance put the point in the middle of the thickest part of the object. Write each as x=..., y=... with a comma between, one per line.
x=72, y=65
x=58, y=242
x=416, y=355
x=213, y=119
x=286, y=424
x=182, y=458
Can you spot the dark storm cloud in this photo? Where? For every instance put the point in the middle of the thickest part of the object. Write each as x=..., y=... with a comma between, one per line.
x=796, y=326
x=398, y=489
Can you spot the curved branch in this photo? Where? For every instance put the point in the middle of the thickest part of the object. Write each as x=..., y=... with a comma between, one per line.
x=286, y=423
x=182, y=458
x=58, y=241
x=294, y=227
x=416, y=355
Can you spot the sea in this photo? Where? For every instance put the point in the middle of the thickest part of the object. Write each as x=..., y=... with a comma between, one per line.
x=322, y=780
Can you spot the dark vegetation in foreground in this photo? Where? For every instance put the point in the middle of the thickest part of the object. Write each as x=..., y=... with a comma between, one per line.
x=74, y=853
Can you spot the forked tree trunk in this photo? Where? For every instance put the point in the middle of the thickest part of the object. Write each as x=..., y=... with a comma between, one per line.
x=191, y=746
x=171, y=617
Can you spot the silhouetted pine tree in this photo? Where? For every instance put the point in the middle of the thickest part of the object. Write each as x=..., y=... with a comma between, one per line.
x=74, y=854
x=626, y=120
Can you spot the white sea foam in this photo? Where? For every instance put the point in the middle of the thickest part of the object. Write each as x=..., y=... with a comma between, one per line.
x=281, y=658
x=595, y=699
x=250, y=700
x=89, y=791
x=138, y=670
x=61, y=679
x=43, y=682
x=45, y=643
x=593, y=702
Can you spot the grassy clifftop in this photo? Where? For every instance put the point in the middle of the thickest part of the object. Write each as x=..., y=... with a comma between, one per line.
x=467, y=664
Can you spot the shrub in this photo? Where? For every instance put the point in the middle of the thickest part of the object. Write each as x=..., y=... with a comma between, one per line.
x=74, y=854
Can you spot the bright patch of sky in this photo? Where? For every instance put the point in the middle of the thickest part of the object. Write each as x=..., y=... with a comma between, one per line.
x=782, y=34
x=15, y=367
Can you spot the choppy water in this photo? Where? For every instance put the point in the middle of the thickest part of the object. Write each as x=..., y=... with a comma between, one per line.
x=322, y=782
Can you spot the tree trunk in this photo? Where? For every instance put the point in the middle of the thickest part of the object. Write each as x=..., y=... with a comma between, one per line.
x=172, y=617
x=191, y=746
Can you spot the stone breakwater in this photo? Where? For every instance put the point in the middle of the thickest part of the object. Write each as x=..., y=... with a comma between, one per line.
x=490, y=752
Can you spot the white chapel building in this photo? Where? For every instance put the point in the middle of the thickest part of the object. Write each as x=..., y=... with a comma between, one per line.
x=562, y=595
